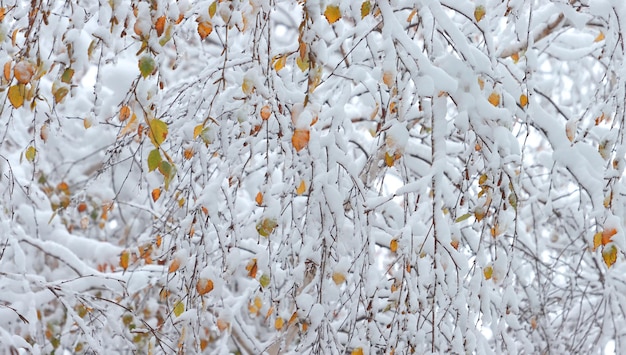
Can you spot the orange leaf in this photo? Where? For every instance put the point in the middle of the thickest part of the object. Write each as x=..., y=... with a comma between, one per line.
x=523, y=100
x=124, y=258
x=188, y=153
x=301, y=188
x=174, y=265
x=3, y=12
x=222, y=324
x=124, y=113
x=205, y=29
x=265, y=112
x=156, y=193
x=204, y=286
x=82, y=207
x=388, y=78
x=159, y=25
x=455, y=244
x=23, y=72
x=393, y=245
x=599, y=37
x=300, y=138
x=259, y=198
x=7, y=70
x=278, y=323
x=515, y=57
x=252, y=268
x=607, y=234
x=279, y=62
x=357, y=351
x=332, y=13
x=494, y=99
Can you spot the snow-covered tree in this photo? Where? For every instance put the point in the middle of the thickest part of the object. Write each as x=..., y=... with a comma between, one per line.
x=319, y=176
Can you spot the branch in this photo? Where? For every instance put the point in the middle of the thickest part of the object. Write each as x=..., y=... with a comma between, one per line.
x=522, y=46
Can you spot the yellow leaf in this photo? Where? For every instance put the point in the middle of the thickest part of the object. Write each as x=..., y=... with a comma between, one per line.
x=357, y=351
x=247, y=86
x=523, y=100
x=366, y=7
x=388, y=78
x=252, y=268
x=393, y=245
x=411, y=15
x=494, y=99
x=30, y=153
x=158, y=131
x=302, y=63
x=482, y=179
x=87, y=122
x=197, y=130
x=301, y=188
x=488, y=272
x=212, y=9
x=481, y=83
x=179, y=308
x=16, y=95
x=130, y=126
x=278, y=323
x=300, y=138
x=332, y=13
x=266, y=226
x=204, y=29
x=338, y=278
x=222, y=324
x=479, y=12
x=389, y=160
x=597, y=240
x=204, y=286
x=610, y=255
x=124, y=259
x=279, y=62
x=259, y=198
x=600, y=37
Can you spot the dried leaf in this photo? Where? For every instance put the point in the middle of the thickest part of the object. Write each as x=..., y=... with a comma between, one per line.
x=188, y=153
x=23, y=72
x=204, y=286
x=156, y=193
x=174, y=265
x=515, y=57
x=159, y=25
x=332, y=13
x=204, y=29
x=259, y=198
x=124, y=113
x=600, y=37
x=300, y=138
x=252, y=268
x=338, y=278
x=7, y=70
x=388, y=78
x=130, y=126
x=266, y=111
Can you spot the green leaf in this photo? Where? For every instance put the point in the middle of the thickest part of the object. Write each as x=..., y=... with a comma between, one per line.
x=168, y=171
x=146, y=66
x=154, y=159
x=366, y=7
x=212, y=9
x=462, y=218
x=158, y=132
x=67, y=75
x=266, y=226
x=265, y=280
x=179, y=308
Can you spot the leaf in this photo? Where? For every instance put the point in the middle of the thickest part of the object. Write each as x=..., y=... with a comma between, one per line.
x=515, y=57
x=388, y=78
x=600, y=37
x=159, y=25
x=332, y=13
x=16, y=95
x=222, y=324
x=301, y=188
x=168, y=172
x=266, y=226
x=7, y=70
x=488, y=272
x=389, y=159
x=462, y=218
x=610, y=255
x=197, y=130
x=279, y=62
x=597, y=240
x=204, y=286
x=156, y=193
x=188, y=153
x=154, y=159
x=30, y=153
x=124, y=113
x=523, y=100
x=494, y=99
x=302, y=63
x=179, y=308
x=393, y=245
x=174, y=265
x=264, y=280
x=158, y=131
x=87, y=122
x=607, y=234
x=278, y=323
x=300, y=138
x=338, y=278
x=357, y=351
x=252, y=268
x=212, y=9
x=455, y=244
x=67, y=75
x=59, y=92
x=124, y=259
x=204, y=29
x=259, y=198
x=247, y=86
x=366, y=8
x=479, y=12
x=147, y=66
x=266, y=111
x=130, y=126
x=23, y=72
